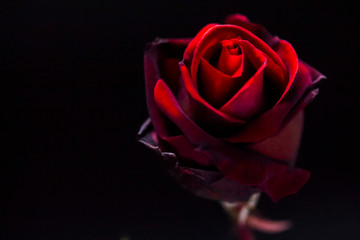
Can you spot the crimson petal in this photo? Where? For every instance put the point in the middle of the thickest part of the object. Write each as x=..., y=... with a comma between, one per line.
x=216, y=87
x=283, y=146
x=189, y=52
x=270, y=122
x=249, y=99
x=243, y=166
x=217, y=33
x=256, y=29
x=159, y=60
x=205, y=183
x=231, y=59
x=200, y=111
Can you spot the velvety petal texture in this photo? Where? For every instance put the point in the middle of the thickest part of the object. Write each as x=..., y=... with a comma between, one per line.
x=226, y=110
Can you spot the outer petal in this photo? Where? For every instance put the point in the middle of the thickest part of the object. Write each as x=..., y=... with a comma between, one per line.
x=189, y=52
x=205, y=183
x=161, y=61
x=316, y=76
x=283, y=146
x=240, y=165
x=185, y=151
x=256, y=29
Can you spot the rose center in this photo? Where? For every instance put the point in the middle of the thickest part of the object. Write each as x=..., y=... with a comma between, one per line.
x=223, y=71
x=230, y=58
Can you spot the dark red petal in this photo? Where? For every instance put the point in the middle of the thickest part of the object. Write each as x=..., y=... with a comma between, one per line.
x=184, y=150
x=245, y=167
x=205, y=183
x=201, y=112
x=256, y=29
x=248, y=101
x=229, y=62
x=269, y=123
x=189, y=52
x=283, y=146
x=147, y=135
x=288, y=55
x=316, y=76
x=168, y=104
x=211, y=184
x=161, y=61
x=217, y=33
x=250, y=168
x=194, y=100
x=288, y=183
x=216, y=87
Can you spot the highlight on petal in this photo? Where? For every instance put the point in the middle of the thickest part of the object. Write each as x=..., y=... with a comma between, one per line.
x=218, y=33
x=206, y=116
x=249, y=99
x=159, y=59
x=167, y=103
x=214, y=86
x=288, y=55
x=203, y=105
x=256, y=29
x=231, y=58
x=189, y=52
x=272, y=121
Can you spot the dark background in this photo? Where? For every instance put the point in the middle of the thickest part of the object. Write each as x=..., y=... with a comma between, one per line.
x=74, y=99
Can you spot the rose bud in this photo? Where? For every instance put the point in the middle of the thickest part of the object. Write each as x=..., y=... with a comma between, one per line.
x=226, y=110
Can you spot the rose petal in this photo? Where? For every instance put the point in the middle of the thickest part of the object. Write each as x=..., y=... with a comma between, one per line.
x=205, y=183
x=288, y=183
x=189, y=51
x=270, y=122
x=216, y=87
x=283, y=146
x=217, y=33
x=248, y=101
x=230, y=59
x=248, y=168
x=288, y=55
x=183, y=149
x=167, y=103
x=316, y=76
x=200, y=111
x=159, y=60
x=256, y=29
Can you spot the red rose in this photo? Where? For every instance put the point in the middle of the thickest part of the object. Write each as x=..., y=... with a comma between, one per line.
x=226, y=110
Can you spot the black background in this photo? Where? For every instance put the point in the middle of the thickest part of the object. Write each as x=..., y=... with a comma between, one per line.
x=74, y=100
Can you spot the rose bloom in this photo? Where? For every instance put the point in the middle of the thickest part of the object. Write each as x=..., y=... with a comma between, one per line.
x=226, y=110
